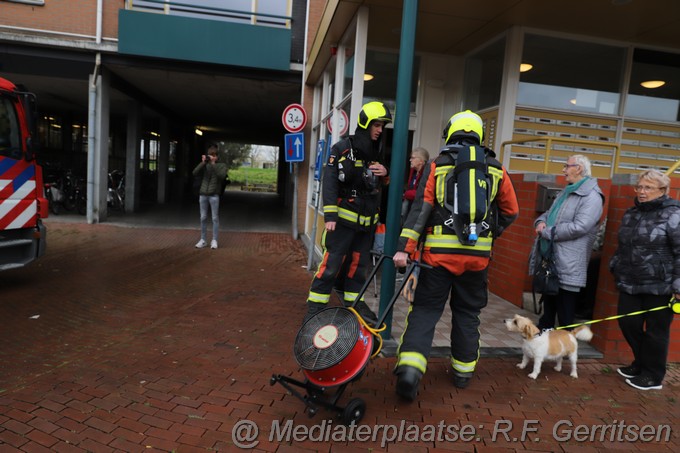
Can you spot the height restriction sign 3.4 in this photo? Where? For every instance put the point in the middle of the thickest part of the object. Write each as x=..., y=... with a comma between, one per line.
x=294, y=118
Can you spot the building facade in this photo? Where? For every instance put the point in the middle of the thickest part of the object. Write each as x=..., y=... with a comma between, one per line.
x=550, y=80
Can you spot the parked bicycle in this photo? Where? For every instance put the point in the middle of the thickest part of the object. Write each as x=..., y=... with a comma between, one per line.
x=116, y=193
x=54, y=192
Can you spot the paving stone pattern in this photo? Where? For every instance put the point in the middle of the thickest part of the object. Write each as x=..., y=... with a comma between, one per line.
x=129, y=339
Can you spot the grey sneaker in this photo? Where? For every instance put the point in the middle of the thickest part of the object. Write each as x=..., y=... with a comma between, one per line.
x=201, y=244
x=213, y=244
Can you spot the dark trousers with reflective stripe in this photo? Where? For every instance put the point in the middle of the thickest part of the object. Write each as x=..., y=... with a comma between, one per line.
x=648, y=334
x=468, y=294
x=345, y=246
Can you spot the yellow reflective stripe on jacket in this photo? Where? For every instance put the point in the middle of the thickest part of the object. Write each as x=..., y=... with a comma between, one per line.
x=330, y=208
x=353, y=217
x=348, y=215
x=357, y=163
x=414, y=359
x=410, y=234
x=450, y=241
x=318, y=297
x=463, y=367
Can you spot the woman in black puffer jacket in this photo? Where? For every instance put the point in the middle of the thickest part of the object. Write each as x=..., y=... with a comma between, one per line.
x=646, y=267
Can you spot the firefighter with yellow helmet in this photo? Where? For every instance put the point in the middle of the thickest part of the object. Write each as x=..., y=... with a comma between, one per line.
x=458, y=253
x=352, y=183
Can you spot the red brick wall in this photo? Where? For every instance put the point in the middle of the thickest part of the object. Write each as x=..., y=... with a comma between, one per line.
x=64, y=16
x=508, y=273
x=510, y=260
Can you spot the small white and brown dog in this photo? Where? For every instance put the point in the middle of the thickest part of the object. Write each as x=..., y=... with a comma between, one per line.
x=547, y=345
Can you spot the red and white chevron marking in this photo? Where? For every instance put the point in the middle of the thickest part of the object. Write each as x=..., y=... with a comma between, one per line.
x=18, y=204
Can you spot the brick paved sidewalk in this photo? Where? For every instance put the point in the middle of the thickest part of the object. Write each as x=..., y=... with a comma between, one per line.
x=129, y=339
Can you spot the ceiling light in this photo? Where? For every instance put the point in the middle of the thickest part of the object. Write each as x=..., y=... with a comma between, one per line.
x=573, y=101
x=524, y=67
x=198, y=131
x=368, y=77
x=653, y=83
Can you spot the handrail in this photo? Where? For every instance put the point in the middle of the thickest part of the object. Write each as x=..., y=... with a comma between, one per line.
x=166, y=6
x=672, y=168
x=574, y=141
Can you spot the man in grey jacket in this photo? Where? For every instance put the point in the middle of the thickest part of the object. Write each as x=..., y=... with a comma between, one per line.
x=572, y=221
x=209, y=194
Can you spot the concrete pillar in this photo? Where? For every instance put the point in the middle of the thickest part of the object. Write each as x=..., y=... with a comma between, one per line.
x=163, y=159
x=133, y=149
x=98, y=157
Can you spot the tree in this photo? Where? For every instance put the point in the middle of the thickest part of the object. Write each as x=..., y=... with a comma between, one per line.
x=266, y=154
x=234, y=154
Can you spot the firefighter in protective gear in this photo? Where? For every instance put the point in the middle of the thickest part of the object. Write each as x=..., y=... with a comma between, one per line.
x=352, y=182
x=459, y=269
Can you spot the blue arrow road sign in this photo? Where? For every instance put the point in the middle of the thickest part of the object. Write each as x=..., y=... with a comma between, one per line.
x=295, y=147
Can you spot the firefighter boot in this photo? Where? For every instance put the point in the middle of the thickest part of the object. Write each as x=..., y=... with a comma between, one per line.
x=461, y=381
x=408, y=378
x=365, y=312
x=312, y=309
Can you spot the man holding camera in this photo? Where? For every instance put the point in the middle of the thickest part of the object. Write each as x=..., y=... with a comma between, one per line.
x=209, y=194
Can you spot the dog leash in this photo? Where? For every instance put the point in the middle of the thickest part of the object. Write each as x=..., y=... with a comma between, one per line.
x=673, y=304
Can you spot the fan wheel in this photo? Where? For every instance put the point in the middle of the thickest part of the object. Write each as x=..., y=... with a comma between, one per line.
x=354, y=411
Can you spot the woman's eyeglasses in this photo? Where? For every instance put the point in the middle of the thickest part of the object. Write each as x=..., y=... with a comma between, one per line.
x=569, y=165
x=646, y=188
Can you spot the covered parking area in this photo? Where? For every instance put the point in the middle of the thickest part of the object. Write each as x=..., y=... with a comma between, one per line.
x=102, y=108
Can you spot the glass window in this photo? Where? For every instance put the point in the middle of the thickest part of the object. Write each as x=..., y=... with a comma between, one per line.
x=571, y=75
x=231, y=11
x=49, y=131
x=380, y=79
x=484, y=77
x=348, y=72
x=659, y=97
x=10, y=143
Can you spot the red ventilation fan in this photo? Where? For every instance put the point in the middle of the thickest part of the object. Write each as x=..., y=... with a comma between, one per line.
x=333, y=348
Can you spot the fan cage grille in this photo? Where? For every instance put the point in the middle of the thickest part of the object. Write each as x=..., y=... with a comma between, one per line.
x=309, y=357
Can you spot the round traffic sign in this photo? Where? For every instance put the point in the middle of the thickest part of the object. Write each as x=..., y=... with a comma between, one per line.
x=343, y=123
x=294, y=118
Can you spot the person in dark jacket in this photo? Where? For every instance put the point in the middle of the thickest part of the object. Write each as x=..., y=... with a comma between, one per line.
x=646, y=268
x=214, y=174
x=574, y=218
x=352, y=182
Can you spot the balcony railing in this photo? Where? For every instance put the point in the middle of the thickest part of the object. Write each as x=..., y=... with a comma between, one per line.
x=196, y=10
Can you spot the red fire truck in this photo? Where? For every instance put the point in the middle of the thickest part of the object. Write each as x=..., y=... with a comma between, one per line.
x=22, y=201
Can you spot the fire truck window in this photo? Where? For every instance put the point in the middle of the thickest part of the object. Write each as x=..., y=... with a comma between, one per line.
x=9, y=141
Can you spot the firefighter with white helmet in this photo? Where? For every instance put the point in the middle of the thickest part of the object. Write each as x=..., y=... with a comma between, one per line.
x=352, y=183
x=458, y=258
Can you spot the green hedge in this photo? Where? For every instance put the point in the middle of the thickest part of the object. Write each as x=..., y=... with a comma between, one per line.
x=242, y=175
